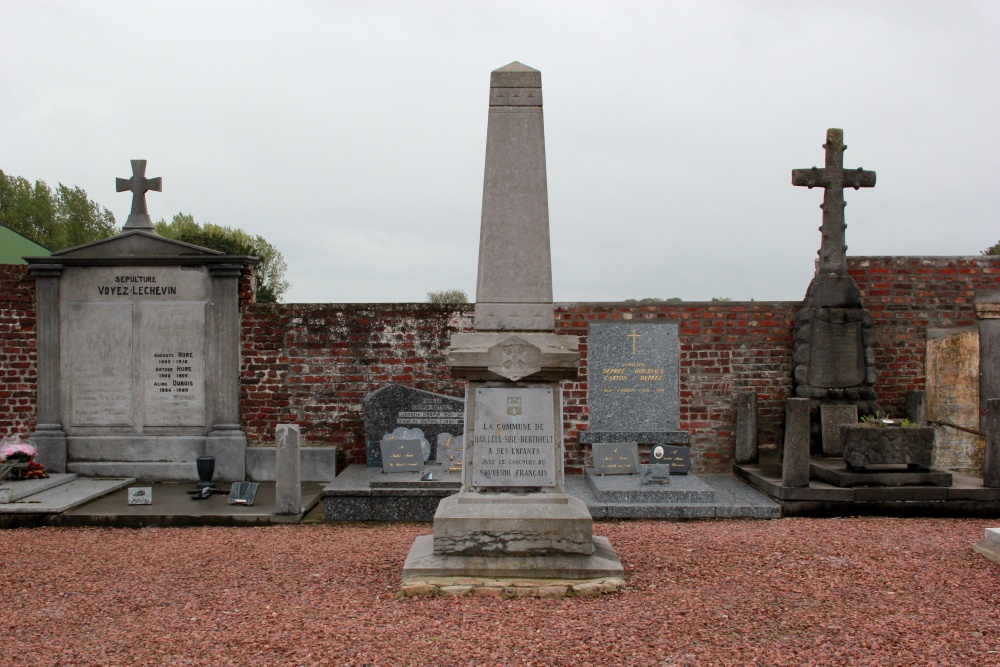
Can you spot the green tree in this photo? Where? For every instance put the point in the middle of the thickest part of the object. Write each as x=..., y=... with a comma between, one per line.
x=57, y=219
x=993, y=249
x=270, y=271
x=449, y=296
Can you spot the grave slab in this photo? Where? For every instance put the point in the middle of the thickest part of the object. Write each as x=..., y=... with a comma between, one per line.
x=630, y=489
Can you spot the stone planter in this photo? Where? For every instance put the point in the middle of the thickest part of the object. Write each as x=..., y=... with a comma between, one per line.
x=892, y=445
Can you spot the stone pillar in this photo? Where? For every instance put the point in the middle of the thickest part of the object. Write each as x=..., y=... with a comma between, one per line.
x=991, y=463
x=48, y=434
x=226, y=440
x=795, y=460
x=916, y=407
x=746, y=428
x=287, y=472
x=989, y=358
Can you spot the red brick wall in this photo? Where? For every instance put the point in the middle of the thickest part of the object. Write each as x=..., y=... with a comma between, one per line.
x=17, y=350
x=313, y=363
x=909, y=295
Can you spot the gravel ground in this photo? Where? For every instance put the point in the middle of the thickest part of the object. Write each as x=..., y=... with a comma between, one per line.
x=784, y=592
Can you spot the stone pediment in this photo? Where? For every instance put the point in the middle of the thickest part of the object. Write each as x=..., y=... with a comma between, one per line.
x=135, y=243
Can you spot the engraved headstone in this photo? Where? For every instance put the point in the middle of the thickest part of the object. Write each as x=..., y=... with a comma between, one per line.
x=658, y=470
x=402, y=456
x=451, y=451
x=633, y=383
x=395, y=406
x=833, y=418
x=139, y=354
x=616, y=458
x=243, y=493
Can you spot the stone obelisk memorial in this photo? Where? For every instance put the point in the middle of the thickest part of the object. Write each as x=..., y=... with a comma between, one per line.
x=512, y=518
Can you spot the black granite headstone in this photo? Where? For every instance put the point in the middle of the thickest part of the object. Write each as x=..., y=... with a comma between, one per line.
x=395, y=406
x=616, y=458
x=402, y=456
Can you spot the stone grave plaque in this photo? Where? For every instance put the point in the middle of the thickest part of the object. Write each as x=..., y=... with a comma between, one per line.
x=242, y=493
x=402, y=456
x=837, y=355
x=396, y=406
x=514, y=440
x=140, y=495
x=97, y=354
x=619, y=458
x=633, y=377
x=172, y=363
x=450, y=451
x=677, y=458
x=832, y=418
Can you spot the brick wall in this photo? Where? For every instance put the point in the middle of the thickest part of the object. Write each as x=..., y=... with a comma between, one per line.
x=313, y=363
x=17, y=350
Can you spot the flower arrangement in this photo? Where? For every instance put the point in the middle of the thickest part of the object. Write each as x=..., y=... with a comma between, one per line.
x=17, y=460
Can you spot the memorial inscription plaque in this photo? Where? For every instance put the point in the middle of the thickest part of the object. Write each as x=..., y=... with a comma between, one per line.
x=172, y=363
x=620, y=458
x=837, y=359
x=97, y=354
x=402, y=456
x=514, y=437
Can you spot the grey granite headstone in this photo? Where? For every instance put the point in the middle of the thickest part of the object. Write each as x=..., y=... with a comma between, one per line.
x=616, y=458
x=832, y=419
x=515, y=438
x=402, y=456
x=633, y=383
x=395, y=405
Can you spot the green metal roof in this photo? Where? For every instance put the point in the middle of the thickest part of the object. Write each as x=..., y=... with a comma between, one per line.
x=14, y=246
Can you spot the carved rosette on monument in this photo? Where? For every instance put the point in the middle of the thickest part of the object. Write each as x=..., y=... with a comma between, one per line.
x=138, y=353
x=512, y=518
x=834, y=356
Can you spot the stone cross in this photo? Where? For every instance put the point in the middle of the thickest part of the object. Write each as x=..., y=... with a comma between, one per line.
x=139, y=185
x=833, y=178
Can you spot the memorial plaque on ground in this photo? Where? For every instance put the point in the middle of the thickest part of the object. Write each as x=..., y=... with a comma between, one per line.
x=678, y=458
x=395, y=406
x=619, y=458
x=514, y=437
x=633, y=383
x=402, y=456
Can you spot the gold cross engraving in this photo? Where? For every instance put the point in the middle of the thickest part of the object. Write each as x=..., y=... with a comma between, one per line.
x=634, y=336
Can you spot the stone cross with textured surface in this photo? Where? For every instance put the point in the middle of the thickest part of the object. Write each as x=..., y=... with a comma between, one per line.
x=139, y=185
x=833, y=178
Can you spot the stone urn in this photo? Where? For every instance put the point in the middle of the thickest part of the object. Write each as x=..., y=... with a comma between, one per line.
x=887, y=445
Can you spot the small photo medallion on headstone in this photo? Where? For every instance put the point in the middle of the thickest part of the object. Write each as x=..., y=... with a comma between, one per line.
x=619, y=458
x=140, y=495
x=402, y=456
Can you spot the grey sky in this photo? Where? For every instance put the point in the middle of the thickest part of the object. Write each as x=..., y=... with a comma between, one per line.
x=351, y=135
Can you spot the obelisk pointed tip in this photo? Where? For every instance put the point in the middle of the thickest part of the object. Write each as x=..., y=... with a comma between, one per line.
x=515, y=75
x=516, y=67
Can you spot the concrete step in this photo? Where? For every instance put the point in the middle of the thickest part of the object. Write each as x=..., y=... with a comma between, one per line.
x=14, y=490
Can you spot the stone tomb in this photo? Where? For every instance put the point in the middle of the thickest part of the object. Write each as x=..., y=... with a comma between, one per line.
x=626, y=483
x=394, y=406
x=138, y=358
x=633, y=384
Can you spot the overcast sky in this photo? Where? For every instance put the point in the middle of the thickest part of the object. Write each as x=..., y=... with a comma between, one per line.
x=351, y=135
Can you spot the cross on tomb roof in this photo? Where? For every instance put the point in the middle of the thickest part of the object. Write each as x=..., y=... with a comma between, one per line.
x=139, y=185
x=833, y=178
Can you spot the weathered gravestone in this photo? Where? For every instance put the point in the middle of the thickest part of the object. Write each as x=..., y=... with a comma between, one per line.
x=138, y=354
x=833, y=418
x=397, y=406
x=834, y=357
x=633, y=384
x=512, y=508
